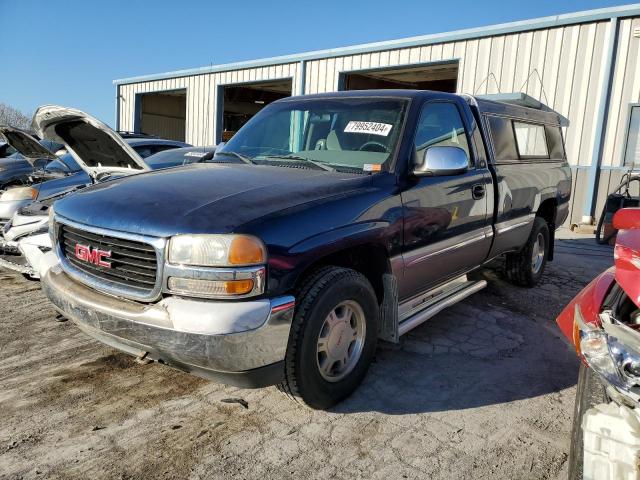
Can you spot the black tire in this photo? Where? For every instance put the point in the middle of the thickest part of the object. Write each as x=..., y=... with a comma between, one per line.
x=589, y=393
x=317, y=297
x=518, y=266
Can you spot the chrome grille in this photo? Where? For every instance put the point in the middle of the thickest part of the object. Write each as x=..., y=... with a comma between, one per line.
x=134, y=264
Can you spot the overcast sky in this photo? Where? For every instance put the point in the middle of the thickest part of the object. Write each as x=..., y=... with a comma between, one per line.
x=69, y=52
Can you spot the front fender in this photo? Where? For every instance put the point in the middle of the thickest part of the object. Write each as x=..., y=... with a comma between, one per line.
x=590, y=300
x=285, y=268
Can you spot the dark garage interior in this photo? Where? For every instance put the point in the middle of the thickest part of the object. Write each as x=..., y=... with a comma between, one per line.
x=243, y=101
x=163, y=114
x=441, y=77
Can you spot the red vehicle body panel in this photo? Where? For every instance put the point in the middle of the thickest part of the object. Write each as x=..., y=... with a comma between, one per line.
x=626, y=272
x=627, y=252
x=590, y=300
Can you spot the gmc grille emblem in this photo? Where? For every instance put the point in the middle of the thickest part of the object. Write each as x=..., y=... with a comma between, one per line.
x=93, y=255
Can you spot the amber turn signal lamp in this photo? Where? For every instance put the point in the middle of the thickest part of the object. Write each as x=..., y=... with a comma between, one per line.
x=245, y=250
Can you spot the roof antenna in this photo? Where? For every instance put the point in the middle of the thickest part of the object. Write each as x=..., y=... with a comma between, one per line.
x=526, y=84
x=486, y=80
x=206, y=120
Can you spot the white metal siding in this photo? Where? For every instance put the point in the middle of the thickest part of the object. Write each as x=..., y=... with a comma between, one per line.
x=562, y=66
x=201, y=96
x=569, y=62
x=625, y=90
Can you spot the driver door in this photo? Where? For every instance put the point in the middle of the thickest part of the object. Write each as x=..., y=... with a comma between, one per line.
x=447, y=228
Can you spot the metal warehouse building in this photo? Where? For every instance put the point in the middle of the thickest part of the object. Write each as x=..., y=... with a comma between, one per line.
x=585, y=65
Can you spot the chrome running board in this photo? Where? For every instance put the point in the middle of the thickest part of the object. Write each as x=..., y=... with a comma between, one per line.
x=419, y=309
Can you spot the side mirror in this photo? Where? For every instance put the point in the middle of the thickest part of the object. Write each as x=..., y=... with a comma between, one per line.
x=442, y=161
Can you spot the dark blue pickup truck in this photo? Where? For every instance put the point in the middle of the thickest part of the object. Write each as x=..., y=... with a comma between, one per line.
x=326, y=223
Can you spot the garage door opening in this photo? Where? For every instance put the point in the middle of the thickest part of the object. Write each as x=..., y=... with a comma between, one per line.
x=241, y=102
x=163, y=114
x=442, y=77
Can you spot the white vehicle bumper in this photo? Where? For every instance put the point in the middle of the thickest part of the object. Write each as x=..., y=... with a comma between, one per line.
x=611, y=442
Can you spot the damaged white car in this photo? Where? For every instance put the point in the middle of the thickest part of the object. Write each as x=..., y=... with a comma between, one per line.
x=99, y=151
x=24, y=239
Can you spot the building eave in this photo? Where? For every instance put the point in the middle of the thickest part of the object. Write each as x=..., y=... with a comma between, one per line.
x=422, y=40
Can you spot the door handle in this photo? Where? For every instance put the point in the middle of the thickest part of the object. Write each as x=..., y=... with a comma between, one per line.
x=478, y=191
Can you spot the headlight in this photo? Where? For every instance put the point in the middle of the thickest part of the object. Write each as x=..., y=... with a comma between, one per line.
x=216, y=250
x=19, y=193
x=593, y=345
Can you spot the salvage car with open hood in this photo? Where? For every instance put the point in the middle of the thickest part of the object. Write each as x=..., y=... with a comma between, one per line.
x=603, y=324
x=23, y=241
x=46, y=165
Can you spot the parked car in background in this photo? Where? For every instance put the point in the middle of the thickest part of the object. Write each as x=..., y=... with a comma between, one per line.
x=16, y=169
x=287, y=255
x=603, y=323
x=180, y=156
x=6, y=150
x=60, y=174
x=25, y=238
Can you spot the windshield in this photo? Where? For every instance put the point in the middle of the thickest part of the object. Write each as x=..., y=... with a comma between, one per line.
x=358, y=134
x=177, y=157
x=66, y=163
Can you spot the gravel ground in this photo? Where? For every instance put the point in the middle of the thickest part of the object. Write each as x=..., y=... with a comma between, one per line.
x=484, y=390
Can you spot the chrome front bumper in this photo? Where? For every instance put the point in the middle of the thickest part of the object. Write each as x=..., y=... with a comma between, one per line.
x=241, y=343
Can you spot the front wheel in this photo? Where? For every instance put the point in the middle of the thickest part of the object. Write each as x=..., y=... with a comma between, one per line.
x=333, y=337
x=524, y=268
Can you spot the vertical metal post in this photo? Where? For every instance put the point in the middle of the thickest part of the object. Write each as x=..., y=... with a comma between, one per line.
x=299, y=118
x=590, y=199
x=117, y=120
x=302, y=77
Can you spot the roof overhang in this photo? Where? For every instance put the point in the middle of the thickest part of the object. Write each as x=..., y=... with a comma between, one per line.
x=457, y=35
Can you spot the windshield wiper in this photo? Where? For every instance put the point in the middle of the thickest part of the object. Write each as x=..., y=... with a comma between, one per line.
x=317, y=163
x=246, y=160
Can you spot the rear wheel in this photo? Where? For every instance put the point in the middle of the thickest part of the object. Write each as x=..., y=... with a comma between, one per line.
x=333, y=337
x=589, y=393
x=524, y=268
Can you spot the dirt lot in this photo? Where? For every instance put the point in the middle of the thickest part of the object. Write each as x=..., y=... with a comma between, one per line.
x=484, y=390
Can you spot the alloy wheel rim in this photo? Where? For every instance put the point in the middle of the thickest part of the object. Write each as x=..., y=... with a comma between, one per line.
x=341, y=341
x=538, y=253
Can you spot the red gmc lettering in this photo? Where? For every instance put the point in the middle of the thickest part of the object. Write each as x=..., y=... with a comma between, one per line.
x=95, y=256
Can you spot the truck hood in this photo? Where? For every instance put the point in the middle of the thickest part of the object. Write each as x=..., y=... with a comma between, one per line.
x=627, y=252
x=202, y=198
x=96, y=147
x=27, y=145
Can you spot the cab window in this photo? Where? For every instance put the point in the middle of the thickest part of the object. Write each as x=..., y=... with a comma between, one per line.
x=440, y=125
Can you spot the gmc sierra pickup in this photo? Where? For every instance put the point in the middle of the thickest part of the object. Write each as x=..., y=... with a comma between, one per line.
x=326, y=223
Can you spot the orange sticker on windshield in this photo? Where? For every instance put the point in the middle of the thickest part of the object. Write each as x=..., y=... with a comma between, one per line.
x=372, y=167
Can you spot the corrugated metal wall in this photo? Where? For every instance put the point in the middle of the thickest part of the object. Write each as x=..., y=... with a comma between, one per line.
x=625, y=90
x=569, y=64
x=565, y=67
x=201, y=96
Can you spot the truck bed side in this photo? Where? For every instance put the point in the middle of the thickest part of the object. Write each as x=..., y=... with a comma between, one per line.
x=525, y=187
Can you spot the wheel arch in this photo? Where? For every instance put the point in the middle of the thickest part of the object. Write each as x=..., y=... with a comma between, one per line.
x=369, y=258
x=548, y=210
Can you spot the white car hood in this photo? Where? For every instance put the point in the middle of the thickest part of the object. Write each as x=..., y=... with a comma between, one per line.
x=95, y=146
x=25, y=144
